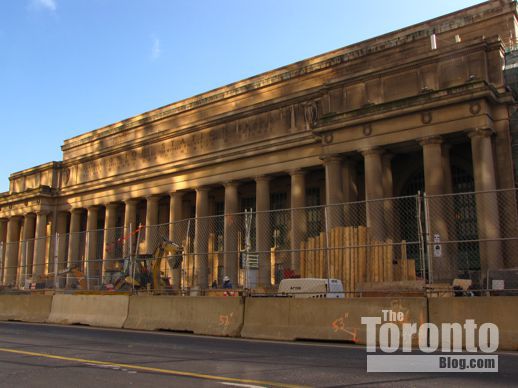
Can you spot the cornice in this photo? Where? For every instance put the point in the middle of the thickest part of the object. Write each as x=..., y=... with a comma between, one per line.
x=431, y=100
x=393, y=39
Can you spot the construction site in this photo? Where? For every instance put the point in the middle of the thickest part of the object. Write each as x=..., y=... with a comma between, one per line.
x=381, y=175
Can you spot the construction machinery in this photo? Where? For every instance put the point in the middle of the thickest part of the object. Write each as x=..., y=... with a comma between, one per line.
x=144, y=271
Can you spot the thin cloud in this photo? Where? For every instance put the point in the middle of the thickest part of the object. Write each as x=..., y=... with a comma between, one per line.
x=156, y=51
x=49, y=5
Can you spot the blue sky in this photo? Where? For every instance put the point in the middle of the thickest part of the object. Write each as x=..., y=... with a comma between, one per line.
x=71, y=66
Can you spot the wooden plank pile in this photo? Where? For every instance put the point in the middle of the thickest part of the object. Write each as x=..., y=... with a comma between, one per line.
x=354, y=258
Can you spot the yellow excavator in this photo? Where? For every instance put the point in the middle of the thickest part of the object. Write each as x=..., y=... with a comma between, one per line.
x=146, y=270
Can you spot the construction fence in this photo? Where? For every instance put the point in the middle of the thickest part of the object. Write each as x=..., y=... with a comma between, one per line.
x=469, y=240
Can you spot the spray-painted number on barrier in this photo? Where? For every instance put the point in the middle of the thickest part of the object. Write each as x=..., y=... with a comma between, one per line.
x=339, y=325
x=226, y=320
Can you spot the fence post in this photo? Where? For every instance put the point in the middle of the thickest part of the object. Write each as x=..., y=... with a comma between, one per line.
x=2, y=262
x=420, y=234
x=326, y=220
x=427, y=237
x=87, y=259
x=56, y=258
x=131, y=258
x=23, y=269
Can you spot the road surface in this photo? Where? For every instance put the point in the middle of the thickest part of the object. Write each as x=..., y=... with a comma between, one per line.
x=37, y=355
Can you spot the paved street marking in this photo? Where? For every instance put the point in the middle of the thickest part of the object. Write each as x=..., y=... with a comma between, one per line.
x=149, y=369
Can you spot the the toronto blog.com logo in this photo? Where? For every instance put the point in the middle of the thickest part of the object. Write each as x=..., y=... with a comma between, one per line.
x=427, y=347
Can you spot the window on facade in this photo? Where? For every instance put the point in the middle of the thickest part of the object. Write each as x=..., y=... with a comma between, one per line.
x=314, y=214
x=219, y=226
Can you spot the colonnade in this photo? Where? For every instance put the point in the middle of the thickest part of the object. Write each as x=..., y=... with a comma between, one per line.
x=339, y=178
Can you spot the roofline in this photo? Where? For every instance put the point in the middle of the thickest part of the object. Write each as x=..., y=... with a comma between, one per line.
x=309, y=65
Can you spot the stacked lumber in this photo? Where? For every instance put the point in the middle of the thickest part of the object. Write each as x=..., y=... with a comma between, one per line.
x=354, y=258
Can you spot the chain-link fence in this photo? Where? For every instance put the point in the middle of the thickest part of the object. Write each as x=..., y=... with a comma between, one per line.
x=445, y=245
x=473, y=237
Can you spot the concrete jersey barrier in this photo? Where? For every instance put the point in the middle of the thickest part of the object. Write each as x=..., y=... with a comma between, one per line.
x=219, y=316
x=26, y=308
x=93, y=310
x=323, y=319
x=500, y=310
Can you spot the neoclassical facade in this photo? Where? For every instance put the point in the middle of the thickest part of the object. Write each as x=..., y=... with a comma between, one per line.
x=381, y=118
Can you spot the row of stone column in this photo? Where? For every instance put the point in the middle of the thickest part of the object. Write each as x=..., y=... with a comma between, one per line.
x=34, y=233
x=339, y=175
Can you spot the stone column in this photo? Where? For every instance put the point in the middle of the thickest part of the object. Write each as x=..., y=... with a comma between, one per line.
x=334, y=191
x=130, y=225
x=40, y=245
x=263, y=229
x=3, y=235
x=333, y=167
x=61, y=230
x=93, y=257
x=435, y=179
x=110, y=237
x=201, y=238
x=74, y=243
x=230, y=243
x=298, y=216
x=176, y=235
x=488, y=218
x=11, y=252
x=130, y=215
x=27, y=248
x=433, y=168
x=374, y=192
x=152, y=232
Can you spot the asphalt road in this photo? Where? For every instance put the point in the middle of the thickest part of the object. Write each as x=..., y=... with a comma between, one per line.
x=36, y=355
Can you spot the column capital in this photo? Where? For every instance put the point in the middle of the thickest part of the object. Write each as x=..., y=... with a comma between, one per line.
x=480, y=132
x=92, y=208
x=263, y=178
x=30, y=215
x=430, y=140
x=331, y=158
x=230, y=184
x=153, y=197
x=297, y=171
x=202, y=189
x=111, y=205
x=76, y=210
x=131, y=201
x=177, y=194
x=372, y=151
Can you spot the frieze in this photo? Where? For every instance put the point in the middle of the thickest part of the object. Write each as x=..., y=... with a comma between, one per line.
x=259, y=127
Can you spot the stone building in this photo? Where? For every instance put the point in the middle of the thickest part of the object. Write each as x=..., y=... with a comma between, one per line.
x=422, y=108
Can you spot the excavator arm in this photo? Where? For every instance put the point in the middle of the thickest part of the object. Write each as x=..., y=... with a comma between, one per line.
x=165, y=248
